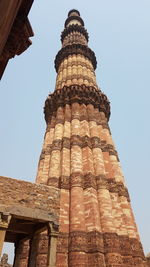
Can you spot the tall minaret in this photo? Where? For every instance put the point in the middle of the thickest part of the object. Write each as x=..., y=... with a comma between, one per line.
x=96, y=223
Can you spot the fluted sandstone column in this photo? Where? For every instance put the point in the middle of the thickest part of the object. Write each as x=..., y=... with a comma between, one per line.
x=97, y=227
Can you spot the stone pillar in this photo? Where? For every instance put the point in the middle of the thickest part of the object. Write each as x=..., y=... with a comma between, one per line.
x=21, y=254
x=4, y=222
x=33, y=251
x=53, y=234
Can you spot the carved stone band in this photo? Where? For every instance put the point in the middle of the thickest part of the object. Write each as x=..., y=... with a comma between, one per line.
x=76, y=94
x=74, y=18
x=76, y=140
x=74, y=28
x=76, y=63
x=94, y=241
x=87, y=181
x=75, y=49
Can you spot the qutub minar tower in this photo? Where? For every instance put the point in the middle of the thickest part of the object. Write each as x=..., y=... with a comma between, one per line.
x=96, y=223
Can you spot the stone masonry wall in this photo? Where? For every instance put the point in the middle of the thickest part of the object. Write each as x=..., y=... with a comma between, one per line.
x=29, y=195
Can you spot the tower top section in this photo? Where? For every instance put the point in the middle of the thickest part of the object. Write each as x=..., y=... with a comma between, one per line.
x=74, y=40
x=74, y=18
x=75, y=64
x=73, y=12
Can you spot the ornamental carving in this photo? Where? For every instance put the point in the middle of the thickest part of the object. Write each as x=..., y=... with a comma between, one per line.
x=109, y=148
x=127, y=260
x=62, y=243
x=102, y=182
x=136, y=247
x=75, y=49
x=5, y=218
x=113, y=259
x=76, y=140
x=96, y=259
x=113, y=186
x=74, y=28
x=89, y=180
x=125, y=245
x=42, y=244
x=66, y=143
x=73, y=38
x=76, y=179
x=18, y=40
x=74, y=18
x=76, y=94
x=64, y=182
x=77, y=241
x=111, y=243
x=96, y=142
x=78, y=259
x=56, y=145
x=95, y=242
x=137, y=261
x=96, y=245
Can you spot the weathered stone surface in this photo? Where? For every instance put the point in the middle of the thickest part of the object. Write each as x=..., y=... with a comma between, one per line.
x=148, y=260
x=97, y=226
x=44, y=200
x=4, y=261
x=109, y=248
x=81, y=94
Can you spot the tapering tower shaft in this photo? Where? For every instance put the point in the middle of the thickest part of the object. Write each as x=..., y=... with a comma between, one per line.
x=97, y=227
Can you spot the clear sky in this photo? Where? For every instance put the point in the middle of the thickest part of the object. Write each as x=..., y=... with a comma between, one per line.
x=119, y=35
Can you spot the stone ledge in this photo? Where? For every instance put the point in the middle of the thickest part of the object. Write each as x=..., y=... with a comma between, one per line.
x=29, y=213
x=81, y=94
x=74, y=28
x=75, y=49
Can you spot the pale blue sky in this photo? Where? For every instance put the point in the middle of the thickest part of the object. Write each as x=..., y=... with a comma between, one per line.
x=119, y=35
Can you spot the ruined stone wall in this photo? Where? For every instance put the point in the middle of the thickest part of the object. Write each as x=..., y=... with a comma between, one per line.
x=29, y=195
